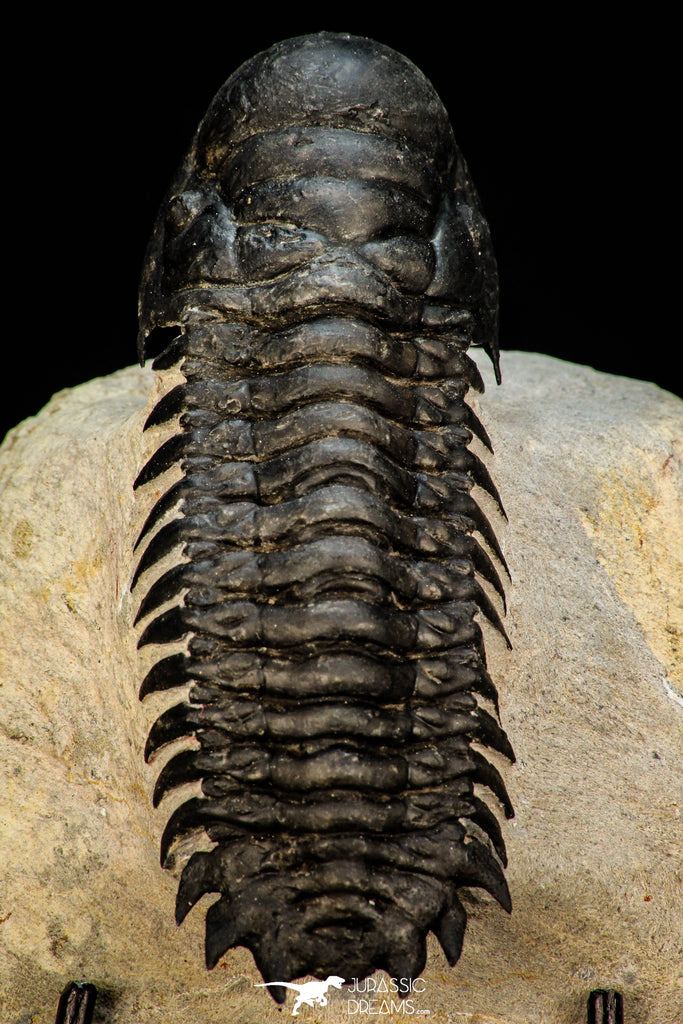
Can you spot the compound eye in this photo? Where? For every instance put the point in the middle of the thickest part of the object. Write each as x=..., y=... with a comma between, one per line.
x=182, y=209
x=268, y=249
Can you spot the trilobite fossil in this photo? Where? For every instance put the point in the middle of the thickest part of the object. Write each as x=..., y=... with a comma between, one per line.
x=325, y=263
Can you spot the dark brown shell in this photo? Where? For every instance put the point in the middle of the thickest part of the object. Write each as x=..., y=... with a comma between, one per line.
x=324, y=256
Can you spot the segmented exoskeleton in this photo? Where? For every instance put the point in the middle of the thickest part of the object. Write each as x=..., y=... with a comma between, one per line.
x=324, y=255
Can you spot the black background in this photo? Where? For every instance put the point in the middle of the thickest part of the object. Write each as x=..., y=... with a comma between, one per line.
x=558, y=117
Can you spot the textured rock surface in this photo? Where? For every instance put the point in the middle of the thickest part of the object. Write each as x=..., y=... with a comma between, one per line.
x=590, y=470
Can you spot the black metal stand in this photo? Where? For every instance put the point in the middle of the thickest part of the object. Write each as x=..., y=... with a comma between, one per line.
x=605, y=1006
x=77, y=1003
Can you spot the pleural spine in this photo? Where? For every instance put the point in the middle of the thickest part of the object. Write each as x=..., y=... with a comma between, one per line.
x=327, y=266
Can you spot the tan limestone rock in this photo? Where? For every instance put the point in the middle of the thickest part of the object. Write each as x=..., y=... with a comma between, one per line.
x=590, y=470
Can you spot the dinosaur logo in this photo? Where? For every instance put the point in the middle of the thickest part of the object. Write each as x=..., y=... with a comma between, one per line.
x=310, y=993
